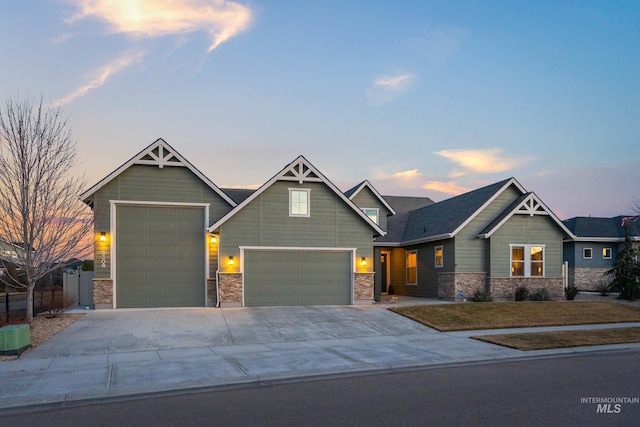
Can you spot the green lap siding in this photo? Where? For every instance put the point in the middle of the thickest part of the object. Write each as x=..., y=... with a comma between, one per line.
x=152, y=184
x=160, y=254
x=266, y=222
x=282, y=277
x=366, y=199
x=525, y=229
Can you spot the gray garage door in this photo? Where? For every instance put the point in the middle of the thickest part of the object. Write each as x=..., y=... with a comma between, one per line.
x=284, y=277
x=160, y=256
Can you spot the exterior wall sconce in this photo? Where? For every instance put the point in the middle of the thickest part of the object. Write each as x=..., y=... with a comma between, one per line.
x=103, y=236
x=213, y=239
x=231, y=261
x=363, y=261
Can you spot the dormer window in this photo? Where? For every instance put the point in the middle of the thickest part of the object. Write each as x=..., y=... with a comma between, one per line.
x=372, y=213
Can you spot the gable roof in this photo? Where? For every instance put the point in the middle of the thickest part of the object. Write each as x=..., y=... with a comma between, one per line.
x=353, y=192
x=300, y=170
x=526, y=204
x=160, y=154
x=601, y=229
x=408, y=203
x=238, y=194
x=443, y=219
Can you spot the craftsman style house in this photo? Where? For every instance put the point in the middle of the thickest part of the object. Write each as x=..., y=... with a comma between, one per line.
x=494, y=239
x=165, y=235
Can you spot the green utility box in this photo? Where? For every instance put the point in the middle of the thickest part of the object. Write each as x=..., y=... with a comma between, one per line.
x=14, y=339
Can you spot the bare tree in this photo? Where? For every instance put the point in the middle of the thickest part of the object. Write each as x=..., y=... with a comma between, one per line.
x=40, y=212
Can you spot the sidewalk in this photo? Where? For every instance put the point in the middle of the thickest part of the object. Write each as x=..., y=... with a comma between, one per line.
x=173, y=350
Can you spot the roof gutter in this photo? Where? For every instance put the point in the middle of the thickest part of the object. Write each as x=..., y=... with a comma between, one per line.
x=414, y=241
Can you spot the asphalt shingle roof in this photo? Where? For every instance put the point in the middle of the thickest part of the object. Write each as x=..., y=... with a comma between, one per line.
x=238, y=195
x=586, y=226
x=407, y=203
x=438, y=218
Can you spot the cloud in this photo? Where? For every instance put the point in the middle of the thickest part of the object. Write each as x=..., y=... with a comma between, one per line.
x=222, y=19
x=155, y=18
x=446, y=187
x=105, y=73
x=386, y=88
x=488, y=160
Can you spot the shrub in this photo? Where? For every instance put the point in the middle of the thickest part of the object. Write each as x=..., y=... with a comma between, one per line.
x=480, y=295
x=570, y=292
x=603, y=288
x=541, y=294
x=522, y=293
x=55, y=305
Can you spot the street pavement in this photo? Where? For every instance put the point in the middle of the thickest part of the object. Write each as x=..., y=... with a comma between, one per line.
x=132, y=352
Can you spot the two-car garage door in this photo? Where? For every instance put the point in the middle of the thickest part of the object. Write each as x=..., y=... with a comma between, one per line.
x=160, y=256
x=297, y=277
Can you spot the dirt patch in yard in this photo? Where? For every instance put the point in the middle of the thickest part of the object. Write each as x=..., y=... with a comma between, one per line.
x=564, y=339
x=43, y=328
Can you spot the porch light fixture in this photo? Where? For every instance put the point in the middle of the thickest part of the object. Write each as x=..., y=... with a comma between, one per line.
x=103, y=236
x=363, y=261
x=213, y=239
x=231, y=261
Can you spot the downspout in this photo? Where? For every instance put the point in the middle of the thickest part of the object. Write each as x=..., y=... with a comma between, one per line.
x=218, y=288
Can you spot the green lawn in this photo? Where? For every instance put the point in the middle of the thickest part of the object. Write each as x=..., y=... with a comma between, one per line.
x=496, y=315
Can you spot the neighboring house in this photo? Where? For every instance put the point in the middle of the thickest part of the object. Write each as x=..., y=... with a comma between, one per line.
x=12, y=252
x=166, y=235
x=594, y=248
x=495, y=238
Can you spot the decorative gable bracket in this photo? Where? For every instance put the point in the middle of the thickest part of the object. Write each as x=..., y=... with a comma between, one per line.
x=159, y=155
x=300, y=170
x=531, y=206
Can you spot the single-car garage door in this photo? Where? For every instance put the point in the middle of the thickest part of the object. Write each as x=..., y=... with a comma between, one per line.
x=301, y=277
x=160, y=255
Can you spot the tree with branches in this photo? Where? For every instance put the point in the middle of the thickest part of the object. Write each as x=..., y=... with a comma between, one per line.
x=625, y=272
x=40, y=212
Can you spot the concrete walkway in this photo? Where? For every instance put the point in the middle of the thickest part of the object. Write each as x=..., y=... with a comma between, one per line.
x=120, y=353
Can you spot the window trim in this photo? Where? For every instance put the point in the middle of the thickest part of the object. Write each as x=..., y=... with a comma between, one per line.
x=584, y=253
x=411, y=252
x=301, y=190
x=377, y=210
x=604, y=250
x=527, y=259
x=435, y=256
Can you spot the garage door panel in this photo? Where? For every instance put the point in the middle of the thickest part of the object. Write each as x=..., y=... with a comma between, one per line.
x=160, y=256
x=305, y=277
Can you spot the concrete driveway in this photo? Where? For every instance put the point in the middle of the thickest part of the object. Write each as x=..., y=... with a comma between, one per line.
x=120, y=353
x=134, y=330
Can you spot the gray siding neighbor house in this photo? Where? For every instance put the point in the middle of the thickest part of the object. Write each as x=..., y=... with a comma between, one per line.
x=495, y=239
x=594, y=248
x=165, y=235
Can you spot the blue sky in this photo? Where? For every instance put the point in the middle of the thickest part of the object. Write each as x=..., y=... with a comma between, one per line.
x=427, y=98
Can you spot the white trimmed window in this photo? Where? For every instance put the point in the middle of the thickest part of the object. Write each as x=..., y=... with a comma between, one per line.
x=527, y=260
x=439, y=256
x=372, y=213
x=412, y=267
x=606, y=253
x=299, y=202
x=587, y=253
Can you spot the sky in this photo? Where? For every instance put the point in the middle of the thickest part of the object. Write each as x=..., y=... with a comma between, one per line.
x=422, y=98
